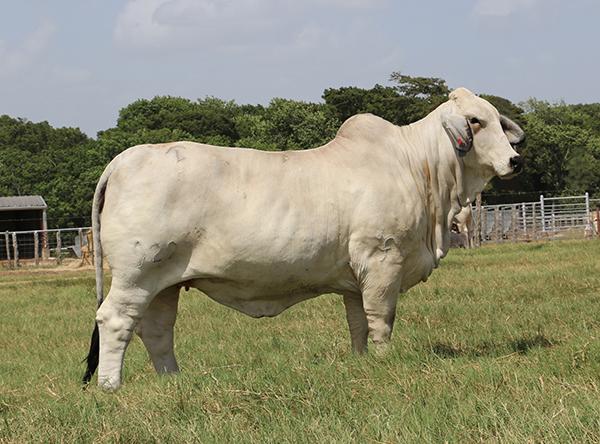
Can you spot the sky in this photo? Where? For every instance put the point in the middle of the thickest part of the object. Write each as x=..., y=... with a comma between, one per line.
x=77, y=63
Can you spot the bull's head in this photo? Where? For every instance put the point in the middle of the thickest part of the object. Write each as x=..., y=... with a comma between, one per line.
x=482, y=137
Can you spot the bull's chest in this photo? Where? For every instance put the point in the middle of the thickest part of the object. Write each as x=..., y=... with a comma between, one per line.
x=406, y=263
x=416, y=267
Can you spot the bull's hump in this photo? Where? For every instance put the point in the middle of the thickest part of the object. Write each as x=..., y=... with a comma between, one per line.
x=365, y=126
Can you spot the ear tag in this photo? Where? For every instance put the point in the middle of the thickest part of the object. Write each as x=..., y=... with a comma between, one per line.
x=458, y=129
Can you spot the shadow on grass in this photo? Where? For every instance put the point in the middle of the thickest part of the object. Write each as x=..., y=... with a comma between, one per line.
x=521, y=346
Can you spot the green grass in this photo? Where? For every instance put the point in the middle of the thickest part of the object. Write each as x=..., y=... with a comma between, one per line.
x=500, y=345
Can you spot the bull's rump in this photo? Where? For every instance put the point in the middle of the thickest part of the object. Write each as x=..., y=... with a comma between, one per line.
x=253, y=223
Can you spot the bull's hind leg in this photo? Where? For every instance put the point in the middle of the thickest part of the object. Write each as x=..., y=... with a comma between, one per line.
x=156, y=330
x=117, y=318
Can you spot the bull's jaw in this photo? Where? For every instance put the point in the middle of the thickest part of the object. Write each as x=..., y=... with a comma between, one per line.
x=504, y=172
x=509, y=175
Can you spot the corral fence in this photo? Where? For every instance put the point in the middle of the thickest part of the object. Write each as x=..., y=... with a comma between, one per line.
x=46, y=247
x=546, y=219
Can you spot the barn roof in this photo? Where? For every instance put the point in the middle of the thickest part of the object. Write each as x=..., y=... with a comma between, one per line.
x=8, y=203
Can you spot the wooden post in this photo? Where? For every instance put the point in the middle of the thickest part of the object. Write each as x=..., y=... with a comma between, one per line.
x=598, y=220
x=36, y=248
x=477, y=234
x=45, y=245
x=7, y=242
x=524, y=217
x=83, y=253
x=514, y=222
x=15, y=249
x=58, y=248
x=90, y=239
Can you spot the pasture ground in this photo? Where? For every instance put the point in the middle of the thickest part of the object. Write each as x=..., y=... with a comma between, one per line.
x=502, y=345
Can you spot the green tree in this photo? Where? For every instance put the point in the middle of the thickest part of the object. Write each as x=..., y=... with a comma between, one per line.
x=38, y=159
x=287, y=125
x=421, y=94
x=209, y=120
x=562, y=151
x=383, y=101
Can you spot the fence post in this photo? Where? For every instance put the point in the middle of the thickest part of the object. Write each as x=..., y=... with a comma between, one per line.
x=15, y=249
x=598, y=220
x=7, y=242
x=483, y=223
x=588, y=213
x=83, y=257
x=497, y=230
x=58, y=247
x=36, y=248
x=90, y=239
x=45, y=245
x=587, y=202
x=533, y=222
x=542, y=212
x=524, y=218
x=477, y=234
x=514, y=222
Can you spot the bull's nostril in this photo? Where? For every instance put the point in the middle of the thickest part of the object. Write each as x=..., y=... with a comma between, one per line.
x=516, y=163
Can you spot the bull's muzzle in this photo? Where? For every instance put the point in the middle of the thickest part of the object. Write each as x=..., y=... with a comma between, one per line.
x=516, y=164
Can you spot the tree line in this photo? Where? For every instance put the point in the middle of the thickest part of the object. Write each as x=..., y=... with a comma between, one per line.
x=562, y=149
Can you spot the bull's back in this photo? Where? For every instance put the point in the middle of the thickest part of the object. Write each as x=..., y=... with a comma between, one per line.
x=226, y=213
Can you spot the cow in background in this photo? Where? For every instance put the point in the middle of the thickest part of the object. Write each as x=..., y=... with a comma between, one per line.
x=463, y=229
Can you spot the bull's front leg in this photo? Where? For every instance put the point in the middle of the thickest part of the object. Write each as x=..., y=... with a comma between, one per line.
x=357, y=322
x=117, y=318
x=379, y=298
x=380, y=310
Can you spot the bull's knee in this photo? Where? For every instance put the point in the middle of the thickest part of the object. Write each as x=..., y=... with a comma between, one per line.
x=380, y=331
x=115, y=325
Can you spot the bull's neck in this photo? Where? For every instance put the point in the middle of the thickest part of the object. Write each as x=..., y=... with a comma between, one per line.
x=440, y=177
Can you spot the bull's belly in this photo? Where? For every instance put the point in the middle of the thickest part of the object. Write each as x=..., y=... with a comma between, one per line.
x=262, y=299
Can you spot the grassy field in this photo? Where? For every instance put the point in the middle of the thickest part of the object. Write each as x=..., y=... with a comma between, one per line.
x=500, y=345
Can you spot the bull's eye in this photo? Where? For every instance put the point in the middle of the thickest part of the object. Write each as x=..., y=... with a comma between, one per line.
x=474, y=121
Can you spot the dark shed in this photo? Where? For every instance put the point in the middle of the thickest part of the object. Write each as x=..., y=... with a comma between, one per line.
x=22, y=213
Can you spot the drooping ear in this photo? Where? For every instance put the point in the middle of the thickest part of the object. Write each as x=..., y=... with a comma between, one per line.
x=459, y=132
x=513, y=132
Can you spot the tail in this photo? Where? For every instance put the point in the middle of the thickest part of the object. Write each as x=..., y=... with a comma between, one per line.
x=94, y=353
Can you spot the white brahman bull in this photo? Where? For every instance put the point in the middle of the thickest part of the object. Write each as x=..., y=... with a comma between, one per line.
x=366, y=216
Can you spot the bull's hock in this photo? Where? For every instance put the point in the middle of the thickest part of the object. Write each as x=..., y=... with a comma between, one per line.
x=366, y=216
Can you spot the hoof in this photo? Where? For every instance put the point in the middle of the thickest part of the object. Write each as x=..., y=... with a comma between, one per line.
x=108, y=384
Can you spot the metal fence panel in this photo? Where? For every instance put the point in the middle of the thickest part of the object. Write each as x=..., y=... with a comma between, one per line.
x=549, y=218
